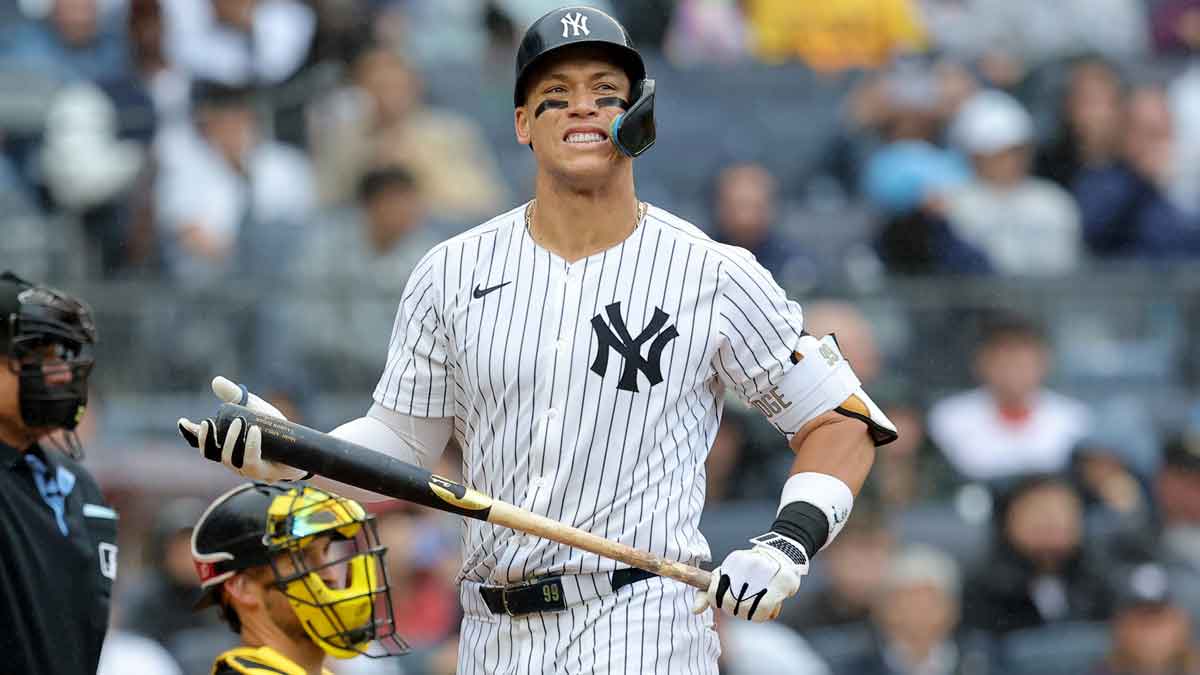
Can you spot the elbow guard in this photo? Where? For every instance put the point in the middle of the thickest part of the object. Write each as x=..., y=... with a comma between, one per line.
x=818, y=381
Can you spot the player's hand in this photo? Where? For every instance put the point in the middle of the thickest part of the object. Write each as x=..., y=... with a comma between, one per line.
x=241, y=448
x=752, y=584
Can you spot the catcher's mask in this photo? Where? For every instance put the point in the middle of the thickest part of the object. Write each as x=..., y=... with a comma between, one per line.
x=324, y=555
x=47, y=333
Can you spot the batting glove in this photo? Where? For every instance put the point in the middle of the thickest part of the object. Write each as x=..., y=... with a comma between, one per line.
x=241, y=449
x=752, y=584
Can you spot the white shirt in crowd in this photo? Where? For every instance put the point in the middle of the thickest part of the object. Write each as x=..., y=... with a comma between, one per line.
x=983, y=445
x=1032, y=229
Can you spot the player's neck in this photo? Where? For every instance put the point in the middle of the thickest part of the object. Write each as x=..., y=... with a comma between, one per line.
x=575, y=223
x=304, y=653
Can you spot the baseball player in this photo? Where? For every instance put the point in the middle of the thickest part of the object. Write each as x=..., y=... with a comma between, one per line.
x=298, y=573
x=58, y=536
x=579, y=348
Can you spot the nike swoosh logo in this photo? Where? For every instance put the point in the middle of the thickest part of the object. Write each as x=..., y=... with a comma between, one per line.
x=480, y=292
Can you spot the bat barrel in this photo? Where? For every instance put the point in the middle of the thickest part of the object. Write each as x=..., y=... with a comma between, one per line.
x=311, y=450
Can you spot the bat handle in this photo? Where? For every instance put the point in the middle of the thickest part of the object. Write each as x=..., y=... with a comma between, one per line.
x=503, y=513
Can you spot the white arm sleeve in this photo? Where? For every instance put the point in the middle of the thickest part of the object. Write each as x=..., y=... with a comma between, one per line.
x=416, y=440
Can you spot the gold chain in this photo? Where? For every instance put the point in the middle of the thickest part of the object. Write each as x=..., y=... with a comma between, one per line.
x=641, y=215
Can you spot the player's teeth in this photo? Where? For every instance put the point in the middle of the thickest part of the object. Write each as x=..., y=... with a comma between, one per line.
x=584, y=138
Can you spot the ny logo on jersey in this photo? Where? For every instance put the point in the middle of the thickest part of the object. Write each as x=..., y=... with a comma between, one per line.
x=630, y=348
x=577, y=22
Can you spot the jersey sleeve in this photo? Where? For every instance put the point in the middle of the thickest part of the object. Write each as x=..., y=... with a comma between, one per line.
x=416, y=378
x=788, y=375
x=759, y=327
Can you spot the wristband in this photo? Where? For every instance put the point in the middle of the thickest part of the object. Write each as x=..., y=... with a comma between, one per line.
x=803, y=496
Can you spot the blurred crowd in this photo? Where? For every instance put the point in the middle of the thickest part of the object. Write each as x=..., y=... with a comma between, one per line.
x=282, y=164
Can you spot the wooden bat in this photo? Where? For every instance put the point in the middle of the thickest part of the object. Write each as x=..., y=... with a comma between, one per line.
x=311, y=450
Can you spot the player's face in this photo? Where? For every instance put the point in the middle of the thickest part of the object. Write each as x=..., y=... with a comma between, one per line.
x=568, y=112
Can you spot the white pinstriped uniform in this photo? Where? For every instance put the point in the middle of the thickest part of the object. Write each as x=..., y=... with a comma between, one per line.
x=510, y=341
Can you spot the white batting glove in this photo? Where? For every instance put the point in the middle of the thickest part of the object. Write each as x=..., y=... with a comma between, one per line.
x=241, y=449
x=752, y=584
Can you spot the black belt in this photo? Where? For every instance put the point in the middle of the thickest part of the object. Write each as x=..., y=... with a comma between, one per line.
x=545, y=595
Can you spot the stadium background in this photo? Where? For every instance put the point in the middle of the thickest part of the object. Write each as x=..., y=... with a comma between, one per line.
x=240, y=187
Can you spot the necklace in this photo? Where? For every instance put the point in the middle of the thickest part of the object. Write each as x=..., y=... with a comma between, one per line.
x=641, y=214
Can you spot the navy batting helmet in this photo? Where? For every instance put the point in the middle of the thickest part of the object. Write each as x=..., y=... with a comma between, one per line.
x=633, y=131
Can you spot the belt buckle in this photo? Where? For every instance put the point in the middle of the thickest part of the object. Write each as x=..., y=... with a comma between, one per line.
x=504, y=595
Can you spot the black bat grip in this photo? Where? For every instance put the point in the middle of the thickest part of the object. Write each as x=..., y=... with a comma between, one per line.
x=310, y=450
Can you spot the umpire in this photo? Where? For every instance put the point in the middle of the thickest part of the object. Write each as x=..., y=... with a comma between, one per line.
x=58, y=551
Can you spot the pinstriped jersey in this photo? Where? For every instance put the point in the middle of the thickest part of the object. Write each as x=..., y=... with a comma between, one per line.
x=590, y=391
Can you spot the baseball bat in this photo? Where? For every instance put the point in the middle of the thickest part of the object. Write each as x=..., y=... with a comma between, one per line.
x=311, y=450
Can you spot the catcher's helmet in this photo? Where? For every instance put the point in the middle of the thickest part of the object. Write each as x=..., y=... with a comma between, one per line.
x=633, y=131
x=274, y=525
x=38, y=324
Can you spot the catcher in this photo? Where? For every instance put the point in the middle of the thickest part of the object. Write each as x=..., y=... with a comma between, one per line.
x=299, y=574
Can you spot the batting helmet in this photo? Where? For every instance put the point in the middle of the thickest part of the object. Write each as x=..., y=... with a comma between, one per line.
x=276, y=525
x=632, y=131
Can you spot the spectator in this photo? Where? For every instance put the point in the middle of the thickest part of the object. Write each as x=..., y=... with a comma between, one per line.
x=856, y=563
x=1011, y=425
x=1127, y=212
x=1113, y=494
x=74, y=42
x=245, y=43
x=1038, y=571
x=1175, y=26
x=1151, y=631
x=703, y=31
x=912, y=471
x=381, y=120
x=159, y=93
x=363, y=256
x=915, y=617
x=1171, y=540
x=853, y=332
x=83, y=163
x=224, y=188
x=1184, y=91
x=836, y=35
x=908, y=177
x=746, y=216
x=1089, y=123
x=159, y=604
x=1024, y=225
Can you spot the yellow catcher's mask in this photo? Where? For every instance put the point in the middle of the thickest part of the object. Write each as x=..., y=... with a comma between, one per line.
x=328, y=562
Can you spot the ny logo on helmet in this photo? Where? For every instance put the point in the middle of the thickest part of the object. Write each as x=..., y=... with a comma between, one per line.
x=577, y=21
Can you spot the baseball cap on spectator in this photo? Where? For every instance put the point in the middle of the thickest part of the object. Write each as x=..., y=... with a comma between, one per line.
x=989, y=122
x=1146, y=585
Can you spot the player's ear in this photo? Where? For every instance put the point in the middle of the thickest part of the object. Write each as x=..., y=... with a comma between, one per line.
x=522, y=121
x=240, y=590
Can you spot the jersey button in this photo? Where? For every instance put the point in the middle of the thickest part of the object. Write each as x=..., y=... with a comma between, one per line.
x=551, y=413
